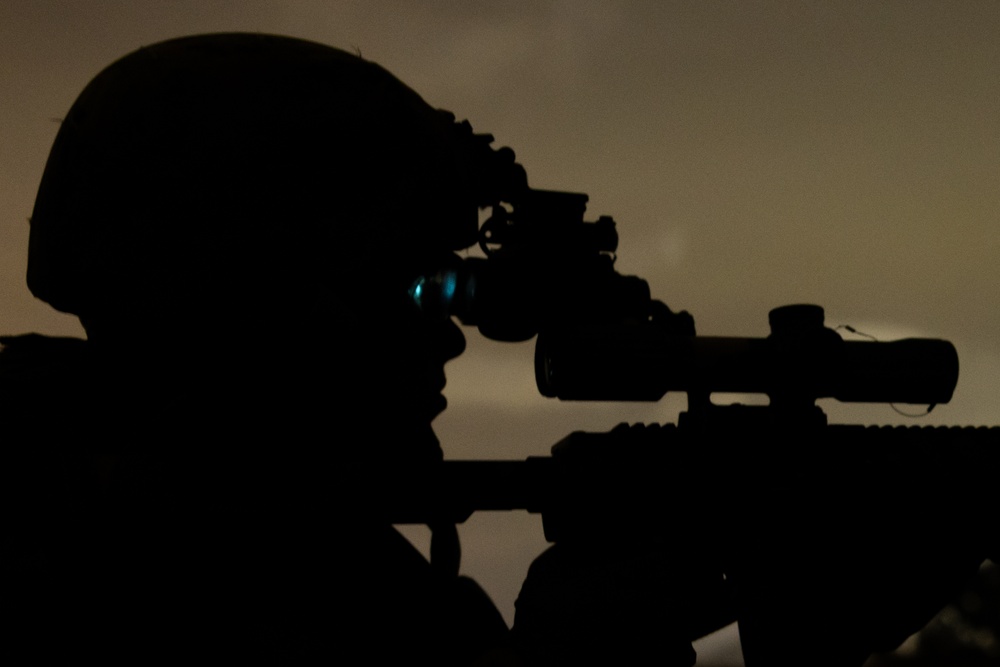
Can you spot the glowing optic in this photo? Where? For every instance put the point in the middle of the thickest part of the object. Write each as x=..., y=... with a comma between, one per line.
x=417, y=292
x=448, y=289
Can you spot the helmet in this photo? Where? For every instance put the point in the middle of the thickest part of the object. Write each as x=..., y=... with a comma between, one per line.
x=240, y=169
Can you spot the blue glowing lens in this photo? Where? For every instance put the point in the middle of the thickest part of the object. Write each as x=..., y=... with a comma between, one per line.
x=435, y=295
x=448, y=293
x=449, y=282
x=417, y=292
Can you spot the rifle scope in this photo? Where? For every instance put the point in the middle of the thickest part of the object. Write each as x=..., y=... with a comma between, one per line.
x=800, y=360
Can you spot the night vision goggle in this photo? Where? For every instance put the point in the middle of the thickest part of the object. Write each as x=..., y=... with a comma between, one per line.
x=601, y=336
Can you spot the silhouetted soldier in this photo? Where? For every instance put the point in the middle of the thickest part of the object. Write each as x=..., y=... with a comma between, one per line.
x=236, y=220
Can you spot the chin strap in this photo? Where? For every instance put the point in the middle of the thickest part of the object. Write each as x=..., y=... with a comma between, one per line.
x=446, y=552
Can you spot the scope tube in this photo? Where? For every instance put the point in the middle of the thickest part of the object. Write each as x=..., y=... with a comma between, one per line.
x=642, y=362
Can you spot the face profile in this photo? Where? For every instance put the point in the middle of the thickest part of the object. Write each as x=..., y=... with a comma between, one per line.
x=217, y=197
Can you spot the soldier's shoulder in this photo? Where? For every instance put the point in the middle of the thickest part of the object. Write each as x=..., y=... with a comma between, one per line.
x=39, y=372
x=26, y=354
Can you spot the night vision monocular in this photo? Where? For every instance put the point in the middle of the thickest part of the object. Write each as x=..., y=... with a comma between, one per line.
x=549, y=273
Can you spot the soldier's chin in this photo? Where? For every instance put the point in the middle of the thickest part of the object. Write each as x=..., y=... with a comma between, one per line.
x=413, y=442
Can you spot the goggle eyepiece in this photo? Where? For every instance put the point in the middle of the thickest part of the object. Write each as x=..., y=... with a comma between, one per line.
x=447, y=293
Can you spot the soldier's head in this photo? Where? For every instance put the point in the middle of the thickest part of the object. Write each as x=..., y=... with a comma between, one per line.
x=220, y=196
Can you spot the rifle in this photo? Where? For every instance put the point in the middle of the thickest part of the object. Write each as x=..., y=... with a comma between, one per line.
x=600, y=336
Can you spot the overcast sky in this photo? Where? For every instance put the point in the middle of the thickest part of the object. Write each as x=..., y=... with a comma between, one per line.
x=754, y=154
